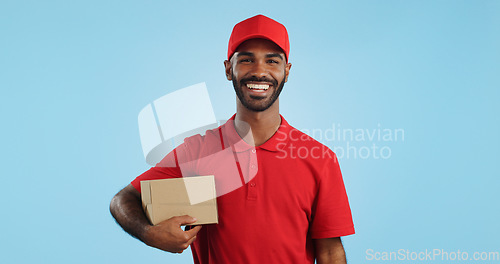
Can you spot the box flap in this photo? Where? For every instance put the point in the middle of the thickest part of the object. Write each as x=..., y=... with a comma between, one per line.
x=145, y=193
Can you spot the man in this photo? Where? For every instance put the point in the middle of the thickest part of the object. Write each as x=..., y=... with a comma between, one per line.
x=291, y=206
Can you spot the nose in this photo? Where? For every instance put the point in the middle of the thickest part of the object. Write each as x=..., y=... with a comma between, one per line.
x=259, y=70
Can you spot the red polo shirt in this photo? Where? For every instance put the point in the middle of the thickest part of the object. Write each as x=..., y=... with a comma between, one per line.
x=272, y=199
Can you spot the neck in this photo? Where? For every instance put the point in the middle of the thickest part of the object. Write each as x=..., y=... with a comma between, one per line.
x=263, y=124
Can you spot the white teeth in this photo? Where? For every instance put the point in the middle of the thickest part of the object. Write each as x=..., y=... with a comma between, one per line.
x=254, y=86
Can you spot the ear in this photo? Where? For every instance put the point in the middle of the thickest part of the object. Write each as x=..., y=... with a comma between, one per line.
x=287, y=71
x=229, y=70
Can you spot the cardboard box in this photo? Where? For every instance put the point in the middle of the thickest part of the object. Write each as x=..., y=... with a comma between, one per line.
x=194, y=196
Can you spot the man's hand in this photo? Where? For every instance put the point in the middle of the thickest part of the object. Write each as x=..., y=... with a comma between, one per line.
x=126, y=208
x=169, y=236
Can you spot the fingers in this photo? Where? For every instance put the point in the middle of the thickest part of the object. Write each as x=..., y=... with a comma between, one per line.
x=183, y=219
x=193, y=231
x=192, y=236
x=190, y=241
x=170, y=236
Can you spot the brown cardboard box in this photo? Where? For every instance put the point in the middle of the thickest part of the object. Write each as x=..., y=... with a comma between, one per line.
x=194, y=196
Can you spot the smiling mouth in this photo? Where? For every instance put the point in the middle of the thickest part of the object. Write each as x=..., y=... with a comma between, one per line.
x=257, y=87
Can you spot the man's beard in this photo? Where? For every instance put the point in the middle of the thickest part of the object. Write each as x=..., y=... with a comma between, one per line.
x=257, y=104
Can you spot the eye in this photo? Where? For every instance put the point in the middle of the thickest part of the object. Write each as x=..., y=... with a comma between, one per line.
x=273, y=61
x=246, y=60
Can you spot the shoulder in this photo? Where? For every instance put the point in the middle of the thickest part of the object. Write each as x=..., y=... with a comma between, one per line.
x=209, y=139
x=311, y=149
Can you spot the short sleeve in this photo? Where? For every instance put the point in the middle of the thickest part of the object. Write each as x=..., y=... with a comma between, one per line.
x=331, y=211
x=169, y=167
x=159, y=171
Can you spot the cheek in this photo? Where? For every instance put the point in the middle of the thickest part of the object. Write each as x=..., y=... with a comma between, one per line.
x=238, y=73
x=279, y=75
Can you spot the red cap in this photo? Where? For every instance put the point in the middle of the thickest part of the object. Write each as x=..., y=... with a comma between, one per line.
x=258, y=26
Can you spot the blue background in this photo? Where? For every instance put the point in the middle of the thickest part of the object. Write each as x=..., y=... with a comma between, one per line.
x=75, y=74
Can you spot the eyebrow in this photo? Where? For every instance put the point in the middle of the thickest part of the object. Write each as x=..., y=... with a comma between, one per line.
x=270, y=55
x=245, y=53
x=274, y=55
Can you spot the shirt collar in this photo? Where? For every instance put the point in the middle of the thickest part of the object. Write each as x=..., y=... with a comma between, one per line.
x=276, y=143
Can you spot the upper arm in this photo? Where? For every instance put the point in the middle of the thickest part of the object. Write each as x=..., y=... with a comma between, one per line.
x=331, y=211
x=329, y=250
x=124, y=195
x=130, y=190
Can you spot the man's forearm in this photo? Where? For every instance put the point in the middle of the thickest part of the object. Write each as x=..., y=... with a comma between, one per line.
x=126, y=208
